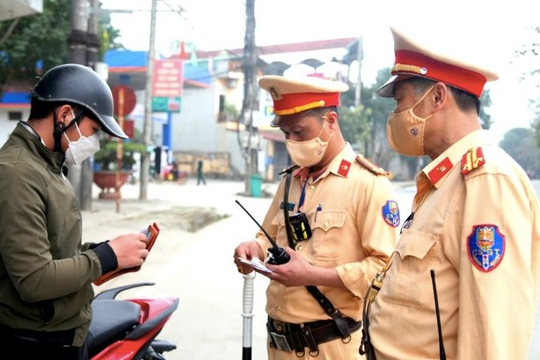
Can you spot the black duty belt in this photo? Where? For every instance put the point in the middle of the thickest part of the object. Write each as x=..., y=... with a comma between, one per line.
x=296, y=337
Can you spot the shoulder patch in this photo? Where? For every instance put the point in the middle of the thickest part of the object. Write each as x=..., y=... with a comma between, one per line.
x=370, y=166
x=485, y=246
x=472, y=159
x=390, y=212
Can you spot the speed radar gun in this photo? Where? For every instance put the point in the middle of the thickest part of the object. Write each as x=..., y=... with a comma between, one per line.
x=247, y=315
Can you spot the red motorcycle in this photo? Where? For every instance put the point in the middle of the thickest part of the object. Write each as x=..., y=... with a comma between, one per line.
x=127, y=329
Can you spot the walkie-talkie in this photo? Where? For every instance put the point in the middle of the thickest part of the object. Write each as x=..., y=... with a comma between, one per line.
x=276, y=255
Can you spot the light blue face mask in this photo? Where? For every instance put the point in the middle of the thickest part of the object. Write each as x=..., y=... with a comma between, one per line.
x=81, y=149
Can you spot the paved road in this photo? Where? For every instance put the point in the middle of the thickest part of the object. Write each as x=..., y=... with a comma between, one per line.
x=197, y=266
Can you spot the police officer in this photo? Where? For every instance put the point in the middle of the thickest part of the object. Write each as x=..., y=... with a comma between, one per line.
x=472, y=242
x=46, y=272
x=343, y=218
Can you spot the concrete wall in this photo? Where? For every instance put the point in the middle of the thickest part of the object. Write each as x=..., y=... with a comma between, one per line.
x=6, y=125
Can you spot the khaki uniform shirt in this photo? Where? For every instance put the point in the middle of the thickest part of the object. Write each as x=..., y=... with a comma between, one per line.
x=354, y=218
x=476, y=224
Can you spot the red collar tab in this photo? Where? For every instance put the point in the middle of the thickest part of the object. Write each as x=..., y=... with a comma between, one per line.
x=438, y=172
x=414, y=63
x=474, y=158
x=370, y=166
x=344, y=168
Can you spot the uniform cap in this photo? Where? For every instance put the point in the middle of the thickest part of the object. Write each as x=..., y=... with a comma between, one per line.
x=295, y=95
x=460, y=69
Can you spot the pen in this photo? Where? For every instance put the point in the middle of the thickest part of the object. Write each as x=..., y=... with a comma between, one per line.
x=319, y=208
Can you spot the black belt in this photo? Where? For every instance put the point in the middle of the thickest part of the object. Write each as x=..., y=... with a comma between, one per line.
x=288, y=337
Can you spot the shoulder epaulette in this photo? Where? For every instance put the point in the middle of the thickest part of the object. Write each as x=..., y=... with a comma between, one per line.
x=370, y=166
x=472, y=159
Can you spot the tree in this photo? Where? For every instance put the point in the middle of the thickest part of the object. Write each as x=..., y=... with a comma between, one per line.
x=108, y=35
x=354, y=124
x=365, y=127
x=532, y=73
x=520, y=144
x=34, y=43
x=485, y=118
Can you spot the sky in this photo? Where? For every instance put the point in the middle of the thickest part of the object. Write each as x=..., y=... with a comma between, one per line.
x=494, y=31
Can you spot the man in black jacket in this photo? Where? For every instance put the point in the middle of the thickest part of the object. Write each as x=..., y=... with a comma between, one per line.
x=46, y=273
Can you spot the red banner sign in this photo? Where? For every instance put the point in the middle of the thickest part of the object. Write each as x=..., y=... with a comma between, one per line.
x=168, y=78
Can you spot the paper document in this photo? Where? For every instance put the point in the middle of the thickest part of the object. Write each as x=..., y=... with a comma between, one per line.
x=256, y=264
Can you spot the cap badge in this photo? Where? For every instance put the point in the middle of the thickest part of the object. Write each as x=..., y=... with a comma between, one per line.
x=275, y=94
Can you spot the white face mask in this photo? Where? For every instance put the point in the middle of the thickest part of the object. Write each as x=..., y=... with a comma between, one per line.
x=81, y=149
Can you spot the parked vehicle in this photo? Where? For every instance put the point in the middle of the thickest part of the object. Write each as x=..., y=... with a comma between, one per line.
x=128, y=329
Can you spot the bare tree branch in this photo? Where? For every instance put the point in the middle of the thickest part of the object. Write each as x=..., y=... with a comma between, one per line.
x=9, y=30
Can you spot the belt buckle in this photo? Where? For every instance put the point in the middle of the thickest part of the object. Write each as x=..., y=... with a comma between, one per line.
x=280, y=341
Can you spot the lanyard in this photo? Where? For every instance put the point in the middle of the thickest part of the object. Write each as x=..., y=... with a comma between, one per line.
x=302, y=196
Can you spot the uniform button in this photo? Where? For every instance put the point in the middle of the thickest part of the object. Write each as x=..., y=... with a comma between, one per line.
x=278, y=308
x=326, y=225
x=311, y=187
x=299, y=247
x=441, y=168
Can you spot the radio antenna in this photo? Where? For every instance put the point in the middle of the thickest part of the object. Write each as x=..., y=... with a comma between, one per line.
x=272, y=241
x=276, y=254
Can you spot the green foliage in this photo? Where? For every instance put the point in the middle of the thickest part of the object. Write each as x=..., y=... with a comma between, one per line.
x=530, y=50
x=42, y=37
x=365, y=127
x=520, y=144
x=106, y=157
x=108, y=35
x=354, y=124
x=485, y=118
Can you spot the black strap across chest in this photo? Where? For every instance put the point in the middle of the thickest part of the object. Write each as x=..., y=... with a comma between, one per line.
x=322, y=300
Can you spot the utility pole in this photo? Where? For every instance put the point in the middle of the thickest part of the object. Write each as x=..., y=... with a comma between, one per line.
x=78, y=42
x=359, y=58
x=250, y=95
x=147, y=127
x=92, y=58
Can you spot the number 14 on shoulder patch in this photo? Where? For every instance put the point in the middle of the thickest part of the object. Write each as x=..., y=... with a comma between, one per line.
x=485, y=246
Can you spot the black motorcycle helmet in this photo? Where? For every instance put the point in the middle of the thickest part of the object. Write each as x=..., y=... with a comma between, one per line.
x=79, y=84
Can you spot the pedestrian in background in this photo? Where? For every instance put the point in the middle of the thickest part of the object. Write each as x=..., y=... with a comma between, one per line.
x=472, y=241
x=337, y=221
x=46, y=273
x=200, y=174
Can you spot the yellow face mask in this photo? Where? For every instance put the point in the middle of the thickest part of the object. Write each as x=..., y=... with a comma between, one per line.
x=307, y=153
x=405, y=130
